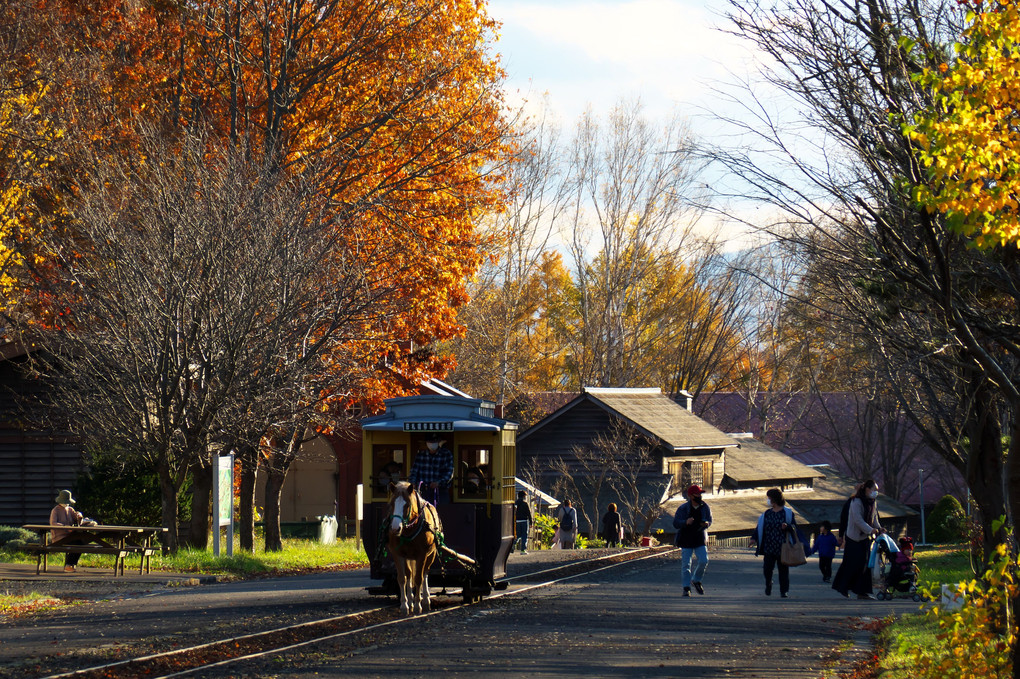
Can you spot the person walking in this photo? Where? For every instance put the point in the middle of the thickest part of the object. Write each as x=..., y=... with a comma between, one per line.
x=862, y=525
x=612, y=526
x=691, y=522
x=522, y=514
x=774, y=526
x=825, y=546
x=568, y=525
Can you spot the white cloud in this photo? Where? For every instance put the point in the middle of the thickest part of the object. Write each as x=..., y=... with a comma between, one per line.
x=665, y=51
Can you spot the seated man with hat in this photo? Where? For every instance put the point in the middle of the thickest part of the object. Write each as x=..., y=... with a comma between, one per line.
x=433, y=470
x=65, y=515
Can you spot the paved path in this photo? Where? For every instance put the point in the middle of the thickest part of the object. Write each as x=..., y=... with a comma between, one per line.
x=626, y=622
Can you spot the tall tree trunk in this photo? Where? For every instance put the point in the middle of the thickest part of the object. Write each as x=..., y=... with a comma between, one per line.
x=271, y=521
x=201, y=500
x=248, y=456
x=168, y=503
x=985, y=467
x=277, y=466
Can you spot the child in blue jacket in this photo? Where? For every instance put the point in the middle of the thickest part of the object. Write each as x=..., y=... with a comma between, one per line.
x=825, y=546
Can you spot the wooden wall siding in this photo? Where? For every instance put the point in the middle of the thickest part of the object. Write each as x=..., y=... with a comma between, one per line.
x=559, y=437
x=32, y=471
x=34, y=466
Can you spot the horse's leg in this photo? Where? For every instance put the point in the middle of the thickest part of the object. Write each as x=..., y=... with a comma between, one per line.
x=426, y=601
x=402, y=583
x=416, y=578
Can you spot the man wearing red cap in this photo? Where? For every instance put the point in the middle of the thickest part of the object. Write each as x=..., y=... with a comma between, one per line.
x=691, y=522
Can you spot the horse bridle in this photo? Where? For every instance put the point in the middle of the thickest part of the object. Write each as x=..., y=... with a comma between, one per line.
x=418, y=524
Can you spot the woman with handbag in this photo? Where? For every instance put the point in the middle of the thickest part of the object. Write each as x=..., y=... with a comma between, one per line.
x=775, y=526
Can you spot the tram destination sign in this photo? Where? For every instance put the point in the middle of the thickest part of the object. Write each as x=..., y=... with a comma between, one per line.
x=428, y=426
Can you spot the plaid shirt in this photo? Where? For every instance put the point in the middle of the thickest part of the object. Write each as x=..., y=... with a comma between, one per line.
x=432, y=467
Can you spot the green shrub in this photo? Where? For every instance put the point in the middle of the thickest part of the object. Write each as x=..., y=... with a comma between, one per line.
x=946, y=521
x=120, y=489
x=545, y=528
x=15, y=545
x=10, y=534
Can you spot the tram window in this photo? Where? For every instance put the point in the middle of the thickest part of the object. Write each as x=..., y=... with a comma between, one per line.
x=387, y=465
x=474, y=468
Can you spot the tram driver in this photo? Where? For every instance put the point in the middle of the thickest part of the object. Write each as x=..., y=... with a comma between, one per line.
x=432, y=471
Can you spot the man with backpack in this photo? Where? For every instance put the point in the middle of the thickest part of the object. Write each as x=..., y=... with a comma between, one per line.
x=691, y=521
x=568, y=525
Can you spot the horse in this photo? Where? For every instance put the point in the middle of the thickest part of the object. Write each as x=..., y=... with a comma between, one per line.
x=414, y=525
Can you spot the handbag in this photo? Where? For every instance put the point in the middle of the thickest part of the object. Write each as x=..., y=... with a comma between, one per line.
x=792, y=553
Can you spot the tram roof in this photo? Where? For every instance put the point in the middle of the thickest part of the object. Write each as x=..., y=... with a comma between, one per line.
x=432, y=412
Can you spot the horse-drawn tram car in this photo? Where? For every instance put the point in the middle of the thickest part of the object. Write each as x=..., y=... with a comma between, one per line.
x=475, y=506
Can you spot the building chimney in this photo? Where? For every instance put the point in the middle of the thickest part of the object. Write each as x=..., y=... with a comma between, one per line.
x=685, y=399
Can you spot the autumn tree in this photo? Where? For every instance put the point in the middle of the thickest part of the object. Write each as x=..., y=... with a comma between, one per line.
x=388, y=115
x=634, y=211
x=969, y=130
x=841, y=180
x=509, y=347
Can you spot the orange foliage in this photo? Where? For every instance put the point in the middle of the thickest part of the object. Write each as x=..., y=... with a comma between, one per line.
x=390, y=109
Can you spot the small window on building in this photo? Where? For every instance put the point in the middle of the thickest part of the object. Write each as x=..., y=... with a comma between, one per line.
x=686, y=472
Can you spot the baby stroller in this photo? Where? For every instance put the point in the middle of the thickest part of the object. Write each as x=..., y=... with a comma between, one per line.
x=894, y=568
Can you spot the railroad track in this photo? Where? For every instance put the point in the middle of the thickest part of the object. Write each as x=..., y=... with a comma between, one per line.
x=190, y=661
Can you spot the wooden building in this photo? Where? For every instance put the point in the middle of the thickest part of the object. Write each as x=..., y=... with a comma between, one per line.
x=683, y=448
x=34, y=464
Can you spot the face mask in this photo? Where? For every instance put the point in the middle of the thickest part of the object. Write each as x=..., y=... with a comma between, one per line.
x=873, y=494
x=432, y=445
x=768, y=503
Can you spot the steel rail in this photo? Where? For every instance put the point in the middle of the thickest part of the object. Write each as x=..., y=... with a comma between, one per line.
x=614, y=561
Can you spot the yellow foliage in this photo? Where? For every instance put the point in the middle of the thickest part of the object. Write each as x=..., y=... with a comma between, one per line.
x=975, y=639
x=968, y=138
x=23, y=137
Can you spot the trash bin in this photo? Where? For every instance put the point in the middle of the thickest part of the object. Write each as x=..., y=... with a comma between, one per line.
x=327, y=529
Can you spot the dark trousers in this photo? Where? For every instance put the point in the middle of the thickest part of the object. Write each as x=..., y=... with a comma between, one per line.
x=784, y=574
x=854, y=574
x=71, y=558
x=825, y=566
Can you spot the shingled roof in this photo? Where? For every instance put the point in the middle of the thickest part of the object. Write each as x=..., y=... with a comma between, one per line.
x=756, y=462
x=656, y=415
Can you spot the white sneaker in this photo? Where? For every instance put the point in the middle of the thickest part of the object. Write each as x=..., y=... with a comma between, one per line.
x=524, y=551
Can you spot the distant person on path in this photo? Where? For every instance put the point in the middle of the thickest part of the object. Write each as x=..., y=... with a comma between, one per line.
x=691, y=522
x=522, y=515
x=66, y=515
x=825, y=546
x=433, y=470
x=862, y=525
x=568, y=525
x=774, y=525
x=612, y=526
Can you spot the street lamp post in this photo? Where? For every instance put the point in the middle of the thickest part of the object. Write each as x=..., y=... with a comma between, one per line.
x=920, y=482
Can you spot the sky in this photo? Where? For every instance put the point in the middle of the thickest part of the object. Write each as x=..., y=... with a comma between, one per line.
x=667, y=52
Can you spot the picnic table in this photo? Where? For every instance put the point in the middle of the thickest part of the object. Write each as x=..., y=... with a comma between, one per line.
x=118, y=541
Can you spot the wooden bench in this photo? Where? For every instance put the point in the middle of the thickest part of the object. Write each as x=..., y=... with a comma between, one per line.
x=96, y=539
x=42, y=551
x=145, y=553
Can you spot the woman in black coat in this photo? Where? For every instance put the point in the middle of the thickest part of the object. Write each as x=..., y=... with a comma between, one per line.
x=611, y=523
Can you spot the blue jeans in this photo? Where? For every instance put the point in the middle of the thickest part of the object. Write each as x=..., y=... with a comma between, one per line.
x=523, y=527
x=701, y=553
